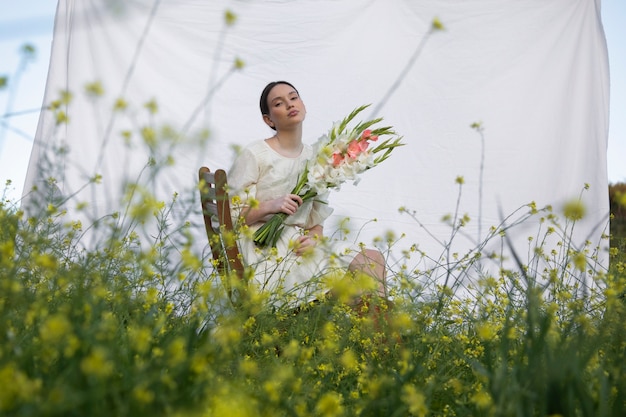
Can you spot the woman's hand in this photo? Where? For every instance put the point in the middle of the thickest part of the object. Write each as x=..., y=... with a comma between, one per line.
x=304, y=244
x=309, y=240
x=287, y=204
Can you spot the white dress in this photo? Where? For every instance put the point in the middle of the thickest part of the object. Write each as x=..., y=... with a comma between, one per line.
x=261, y=173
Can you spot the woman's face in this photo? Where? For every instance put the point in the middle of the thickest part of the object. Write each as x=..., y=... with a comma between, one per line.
x=285, y=107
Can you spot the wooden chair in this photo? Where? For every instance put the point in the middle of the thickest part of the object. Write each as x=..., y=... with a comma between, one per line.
x=219, y=225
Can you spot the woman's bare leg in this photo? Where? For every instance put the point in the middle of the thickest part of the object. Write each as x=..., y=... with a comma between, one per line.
x=372, y=263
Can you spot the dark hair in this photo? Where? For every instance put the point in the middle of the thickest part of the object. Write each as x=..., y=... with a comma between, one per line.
x=265, y=107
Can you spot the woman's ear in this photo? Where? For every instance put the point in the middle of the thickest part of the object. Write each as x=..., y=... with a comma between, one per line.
x=268, y=121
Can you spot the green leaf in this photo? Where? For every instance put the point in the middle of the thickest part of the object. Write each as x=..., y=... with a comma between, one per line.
x=351, y=116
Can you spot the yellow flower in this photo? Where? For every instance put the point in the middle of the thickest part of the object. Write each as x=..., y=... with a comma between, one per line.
x=415, y=400
x=478, y=126
x=402, y=321
x=55, y=329
x=230, y=401
x=140, y=338
x=152, y=296
x=230, y=17
x=482, y=399
x=329, y=405
x=72, y=345
x=437, y=25
x=486, y=331
x=345, y=288
x=97, y=364
x=249, y=367
x=143, y=395
x=249, y=324
x=16, y=387
x=574, y=210
x=146, y=205
x=152, y=106
x=349, y=360
x=66, y=97
x=580, y=261
x=45, y=261
x=149, y=136
x=198, y=364
x=157, y=352
x=227, y=336
x=94, y=89
x=239, y=63
x=120, y=104
x=7, y=252
x=61, y=117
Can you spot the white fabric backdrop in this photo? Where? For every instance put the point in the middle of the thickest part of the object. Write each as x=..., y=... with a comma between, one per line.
x=533, y=72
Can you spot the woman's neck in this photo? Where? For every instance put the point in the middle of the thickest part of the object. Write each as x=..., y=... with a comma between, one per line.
x=288, y=143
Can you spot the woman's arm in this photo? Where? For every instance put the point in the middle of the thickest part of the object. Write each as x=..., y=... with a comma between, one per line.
x=316, y=231
x=287, y=204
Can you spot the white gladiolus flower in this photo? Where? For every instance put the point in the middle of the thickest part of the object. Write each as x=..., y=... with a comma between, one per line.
x=340, y=155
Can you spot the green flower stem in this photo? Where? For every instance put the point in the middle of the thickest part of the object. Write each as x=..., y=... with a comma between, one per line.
x=270, y=232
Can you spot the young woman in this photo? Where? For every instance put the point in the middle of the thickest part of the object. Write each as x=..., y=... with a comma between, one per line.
x=263, y=176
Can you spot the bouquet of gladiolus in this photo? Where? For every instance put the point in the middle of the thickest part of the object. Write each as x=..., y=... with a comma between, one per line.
x=339, y=156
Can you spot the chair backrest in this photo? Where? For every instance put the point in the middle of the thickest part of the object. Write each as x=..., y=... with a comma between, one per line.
x=218, y=222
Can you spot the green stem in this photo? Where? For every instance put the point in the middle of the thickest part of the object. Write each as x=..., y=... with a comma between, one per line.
x=270, y=232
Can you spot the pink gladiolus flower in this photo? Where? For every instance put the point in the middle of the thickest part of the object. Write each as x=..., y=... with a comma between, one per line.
x=355, y=148
x=337, y=159
x=367, y=135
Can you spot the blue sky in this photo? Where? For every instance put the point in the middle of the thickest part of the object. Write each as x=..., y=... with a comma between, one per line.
x=31, y=21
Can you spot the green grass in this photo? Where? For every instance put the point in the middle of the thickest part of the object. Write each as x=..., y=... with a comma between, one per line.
x=121, y=330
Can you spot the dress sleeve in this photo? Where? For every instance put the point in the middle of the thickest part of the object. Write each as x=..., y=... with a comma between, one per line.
x=320, y=211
